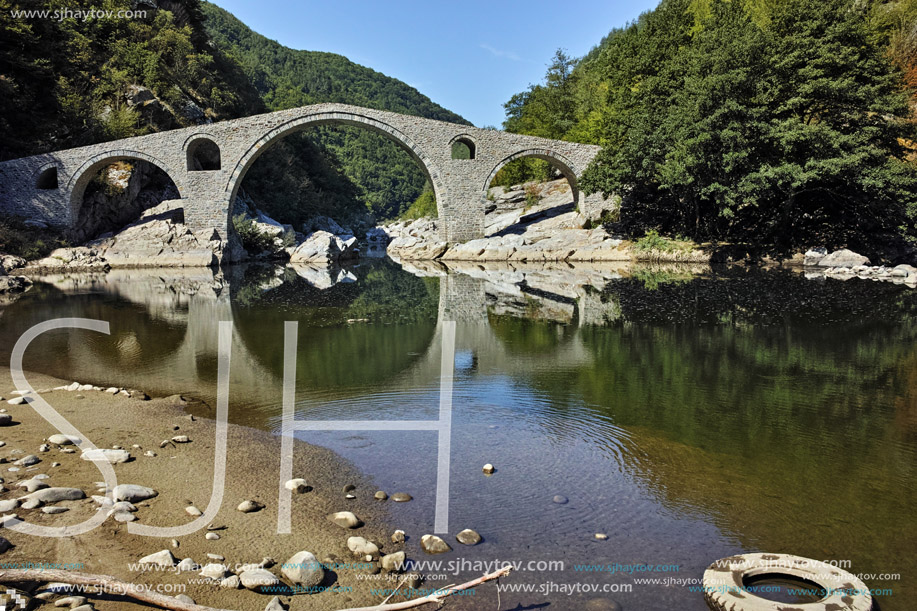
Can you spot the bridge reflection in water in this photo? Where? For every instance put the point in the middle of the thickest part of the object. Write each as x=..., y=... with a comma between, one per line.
x=689, y=414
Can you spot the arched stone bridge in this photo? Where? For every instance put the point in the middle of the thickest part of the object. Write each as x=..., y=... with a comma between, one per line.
x=208, y=162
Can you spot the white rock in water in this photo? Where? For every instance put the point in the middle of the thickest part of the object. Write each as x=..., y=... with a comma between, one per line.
x=361, y=547
x=161, y=558
x=249, y=506
x=256, y=579
x=346, y=519
x=214, y=571
x=296, y=485
x=434, y=545
x=111, y=456
x=133, y=493
x=303, y=569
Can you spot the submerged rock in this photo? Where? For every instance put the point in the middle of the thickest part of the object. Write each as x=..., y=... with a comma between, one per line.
x=468, y=537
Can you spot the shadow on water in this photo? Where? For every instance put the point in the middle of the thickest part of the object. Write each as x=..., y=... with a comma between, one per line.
x=689, y=413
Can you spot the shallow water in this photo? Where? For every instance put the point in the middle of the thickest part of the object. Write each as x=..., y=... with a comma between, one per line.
x=688, y=414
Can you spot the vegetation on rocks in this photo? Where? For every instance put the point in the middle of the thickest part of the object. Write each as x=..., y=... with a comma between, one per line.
x=784, y=123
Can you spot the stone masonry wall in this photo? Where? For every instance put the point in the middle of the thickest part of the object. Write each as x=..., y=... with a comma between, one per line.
x=460, y=185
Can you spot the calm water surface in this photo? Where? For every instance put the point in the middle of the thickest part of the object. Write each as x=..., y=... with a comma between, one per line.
x=688, y=414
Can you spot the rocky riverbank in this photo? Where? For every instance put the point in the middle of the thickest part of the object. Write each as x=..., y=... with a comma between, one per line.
x=162, y=451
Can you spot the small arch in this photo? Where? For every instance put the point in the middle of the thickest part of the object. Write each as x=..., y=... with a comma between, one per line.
x=558, y=161
x=47, y=179
x=463, y=147
x=203, y=155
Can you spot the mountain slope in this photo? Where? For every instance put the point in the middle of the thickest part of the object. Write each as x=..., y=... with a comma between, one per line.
x=286, y=78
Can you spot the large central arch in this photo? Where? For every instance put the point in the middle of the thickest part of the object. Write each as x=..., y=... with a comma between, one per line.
x=339, y=118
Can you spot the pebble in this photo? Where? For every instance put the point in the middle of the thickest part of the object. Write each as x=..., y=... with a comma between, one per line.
x=349, y=497
x=468, y=537
x=123, y=516
x=86, y=607
x=113, y=456
x=70, y=601
x=160, y=558
x=398, y=536
x=5, y=420
x=187, y=564
x=488, y=469
x=64, y=440
x=214, y=571
x=380, y=495
x=345, y=519
x=394, y=562
x=54, y=510
x=216, y=557
x=28, y=461
x=44, y=448
x=133, y=493
x=55, y=464
x=150, y=453
x=349, y=488
x=434, y=545
x=560, y=499
x=402, y=497
x=297, y=485
x=303, y=569
x=361, y=547
x=267, y=562
x=175, y=543
x=191, y=510
x=249, y=506
x=601, y=536
x=181, y=439
x=185, y=599
x=18, y=401
x=256, y=579
x=211, y=536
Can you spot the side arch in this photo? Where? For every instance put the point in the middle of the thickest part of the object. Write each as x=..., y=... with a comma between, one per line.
x=340, y=118
x=565, y=166
x=80, y=179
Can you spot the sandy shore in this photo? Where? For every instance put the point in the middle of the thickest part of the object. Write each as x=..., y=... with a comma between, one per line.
x=182, y=475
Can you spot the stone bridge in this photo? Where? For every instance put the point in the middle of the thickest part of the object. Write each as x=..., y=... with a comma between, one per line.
x=207, y=163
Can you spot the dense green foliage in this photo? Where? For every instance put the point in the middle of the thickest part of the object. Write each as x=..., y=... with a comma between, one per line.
x=388, y=178
x=423, y=207
x=63, y=81
x=72, y=81
x=782, y=123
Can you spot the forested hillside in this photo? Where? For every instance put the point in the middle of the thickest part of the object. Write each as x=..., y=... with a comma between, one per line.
x=70, y=82
x=787, y=122
x=287, y=78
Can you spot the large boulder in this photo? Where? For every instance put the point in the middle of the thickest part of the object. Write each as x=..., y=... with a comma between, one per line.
x=843, y=258
x=282, y=235
x=323, y=247
x=814, y=256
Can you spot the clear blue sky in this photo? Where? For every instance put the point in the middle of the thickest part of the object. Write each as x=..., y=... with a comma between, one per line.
x=468, y=56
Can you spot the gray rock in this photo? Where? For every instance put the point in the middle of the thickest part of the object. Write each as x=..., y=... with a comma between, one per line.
x=296, y=485
x=54, y=510
x=250, y=506
x=28, y=461
x=187, y=564
x=55, y=495
x=402, y=497
x=303, y=569
x=106, y=455
x=843, y=258
x=160, y=558
x=133, y=493
x=361, y=547
x=380, y=495
x=468, y=537
x=434, y=545
x=560, y=499
x=123, y=516
x=814, y=255
x=259, y=580
x=32, y=485
x=394, y=563
x=345, y=519
x=398, y=536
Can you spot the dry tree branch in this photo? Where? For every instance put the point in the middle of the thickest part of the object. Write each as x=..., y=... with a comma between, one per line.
x=439, y=596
